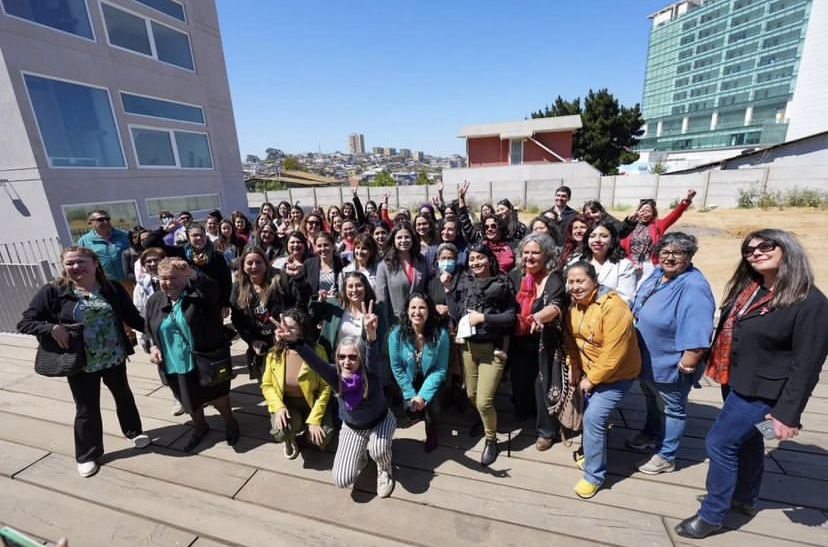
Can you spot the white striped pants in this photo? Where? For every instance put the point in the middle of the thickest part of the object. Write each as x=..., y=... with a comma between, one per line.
x=352, y=446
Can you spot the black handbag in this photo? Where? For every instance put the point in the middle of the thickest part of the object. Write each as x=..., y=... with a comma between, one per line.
x=214, y=367
x=53, y=360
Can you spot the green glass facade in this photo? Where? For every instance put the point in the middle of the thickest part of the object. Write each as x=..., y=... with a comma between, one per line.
x=722, y=73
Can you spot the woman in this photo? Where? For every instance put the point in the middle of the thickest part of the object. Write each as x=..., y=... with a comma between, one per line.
x=540, y=298
x=483, y=298
x=269, y=210
x=601, y=248
x=402, y=271
x=514, y=228
x=573, y=239
x=259, y=294
x=418, y=350
x=83, y=295
x=546, y=226
x=297, y=397
x=330, y=212
x=380, y=235
x=203, y=257
x=345, y=315
x=367, y=424
x=769, y=348
x=211, y=226
x=184, y=317
x=427, y=236
x=492, y=232
x=296, y=252
x=268, y=241
x=603, y=361
x=260, y=221
x=147, y=284
x=282, y=211
x=673, y=313
x=345, y=243
x=242, y=226
x=449, y=230
x=312, y=227
x=322, y=270
x=295, y=219
x=228, y=244
x=595, y=211
x=365, y=260
x=644, y=229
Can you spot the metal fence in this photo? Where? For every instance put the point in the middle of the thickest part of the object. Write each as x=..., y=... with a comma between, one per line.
x=24, y=267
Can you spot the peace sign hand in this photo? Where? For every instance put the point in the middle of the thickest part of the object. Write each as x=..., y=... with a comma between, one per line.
x=370, y=321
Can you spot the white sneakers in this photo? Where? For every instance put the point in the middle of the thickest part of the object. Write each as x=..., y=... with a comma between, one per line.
x=385, y=483
x=141, y=441
x=656, y=465
x=87, y=469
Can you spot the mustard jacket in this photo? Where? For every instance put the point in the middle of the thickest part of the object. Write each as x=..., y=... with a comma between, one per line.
x=316, y=391
x=600, y=340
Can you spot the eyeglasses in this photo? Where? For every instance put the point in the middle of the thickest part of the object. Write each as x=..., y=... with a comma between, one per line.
x=313, y=223
x=492, y=226
x=100, y=219
x=348, y=356
x=764, y=247
x=675, y=254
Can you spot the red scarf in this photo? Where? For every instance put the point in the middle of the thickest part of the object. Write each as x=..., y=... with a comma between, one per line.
x=525, y=298
x=718, y=364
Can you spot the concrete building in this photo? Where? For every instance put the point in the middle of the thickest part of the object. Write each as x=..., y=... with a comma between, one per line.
x=356, y=144
x=115, y=104
x=728, y=75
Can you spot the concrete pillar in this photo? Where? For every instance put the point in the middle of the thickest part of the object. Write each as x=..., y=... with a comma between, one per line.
x=714, y=120
x=685, y=123
x=749, y=115
x=659, y=128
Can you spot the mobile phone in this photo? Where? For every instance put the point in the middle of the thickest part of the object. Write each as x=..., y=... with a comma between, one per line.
x=13, y=538
x=766, y=429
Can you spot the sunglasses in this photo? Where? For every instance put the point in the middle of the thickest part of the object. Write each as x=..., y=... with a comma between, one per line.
x=764, y=247
x=100, y=219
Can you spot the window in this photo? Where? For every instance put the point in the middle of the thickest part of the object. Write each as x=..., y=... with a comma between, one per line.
x=709, y=46
x=66, y=15
x=147, y=37
x=769, y=92
x=515, y=151
x=742, y=50
x=689, y=24
x=168, y=7
x=159, y=108
x=689, y=39
x=781, y=39
x=681, y=82
x=198, y=205
x=681, y=69
x=76, y=123
x=777, y=74
x=738, y=82
x=777, y=57
x=156, y=147
x=124, y=215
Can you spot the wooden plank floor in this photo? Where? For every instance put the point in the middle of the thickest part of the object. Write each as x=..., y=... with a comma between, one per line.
x=251, y=495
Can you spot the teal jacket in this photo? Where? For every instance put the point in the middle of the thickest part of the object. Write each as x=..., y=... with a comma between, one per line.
x=110, y=251
x=434, y=364
x=329, y=314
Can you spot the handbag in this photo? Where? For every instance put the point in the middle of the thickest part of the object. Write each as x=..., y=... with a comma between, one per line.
x=53, y=360
x=214, y=367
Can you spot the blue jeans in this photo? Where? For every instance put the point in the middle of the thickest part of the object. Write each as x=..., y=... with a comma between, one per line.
x=602, y=401
x=736, y=450
x=666, y=413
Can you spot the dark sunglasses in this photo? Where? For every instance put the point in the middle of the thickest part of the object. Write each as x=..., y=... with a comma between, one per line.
x=764, y=247
x=100, y=219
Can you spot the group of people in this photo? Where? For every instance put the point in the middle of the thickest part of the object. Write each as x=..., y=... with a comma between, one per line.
x=352, y=319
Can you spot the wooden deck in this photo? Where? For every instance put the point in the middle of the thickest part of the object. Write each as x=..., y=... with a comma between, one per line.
x=251, y=495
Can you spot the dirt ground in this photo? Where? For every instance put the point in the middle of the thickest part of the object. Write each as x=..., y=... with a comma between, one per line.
x=720, y=232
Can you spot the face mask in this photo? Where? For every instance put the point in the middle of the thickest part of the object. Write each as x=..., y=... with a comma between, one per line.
x=447, y=265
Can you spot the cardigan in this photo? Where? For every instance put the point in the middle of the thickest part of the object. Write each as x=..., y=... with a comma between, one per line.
x=393, y=287
x=433, y=364
x=330, y=313
x=315, y=390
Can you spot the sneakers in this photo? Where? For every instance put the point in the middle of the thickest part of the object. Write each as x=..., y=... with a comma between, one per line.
x=177, y=409
x=87, y=469
x=585, y=489
x=141, y=441
x=385, y=483
x=543, y=444
x=290, y=449
x=640, y=441
x=656, y=465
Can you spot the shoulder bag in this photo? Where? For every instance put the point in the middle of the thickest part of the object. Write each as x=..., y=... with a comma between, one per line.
x=53, y=360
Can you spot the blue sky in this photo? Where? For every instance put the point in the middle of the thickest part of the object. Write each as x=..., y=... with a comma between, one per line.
x=305, y=74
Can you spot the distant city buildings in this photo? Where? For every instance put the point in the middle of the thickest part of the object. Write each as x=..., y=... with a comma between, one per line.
x=356, y=144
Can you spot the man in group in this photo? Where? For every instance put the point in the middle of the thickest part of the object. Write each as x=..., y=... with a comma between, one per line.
x=184, y=221
x=562, y=196
x=108, y=243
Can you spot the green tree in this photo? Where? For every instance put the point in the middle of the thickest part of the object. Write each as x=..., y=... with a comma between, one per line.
x=273, y=154
x=610, y=130
x=292, y=163
x=422, y=178
x=384, y=178
x=252, y=159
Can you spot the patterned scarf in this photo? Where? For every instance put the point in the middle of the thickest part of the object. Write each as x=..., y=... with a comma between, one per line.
x=198, y=257
x=525, y=298
x=718, y=363
x=352, y=390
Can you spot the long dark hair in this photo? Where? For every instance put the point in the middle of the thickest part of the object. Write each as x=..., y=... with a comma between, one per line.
x=511, y=223
x=271, y=280
x=794, y=279
x=494, y=267
x=369, y=291
x=390, y=252
x=305, y=324
x=431, y=329
x=615, y=252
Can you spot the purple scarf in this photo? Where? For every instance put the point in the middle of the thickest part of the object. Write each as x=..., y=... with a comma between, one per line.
x=351, y=390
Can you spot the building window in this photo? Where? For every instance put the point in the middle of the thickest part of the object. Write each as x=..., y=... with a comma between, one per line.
x=168, y=7
x=76, y=123
x=156, y=147
x=65, y=15
x=143, y=35
x=198, y=205
x=124, y=215
x=159, y=108
x=515, y=151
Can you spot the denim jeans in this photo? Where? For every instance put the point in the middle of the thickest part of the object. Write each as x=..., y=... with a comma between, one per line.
x=666, y=413
x=736, y=450
x=602, y=401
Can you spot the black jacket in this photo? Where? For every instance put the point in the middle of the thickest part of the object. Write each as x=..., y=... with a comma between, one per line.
x=251, y=321
x=493, y=296
x=311, y=267
x=778, y=354
x=55, y=304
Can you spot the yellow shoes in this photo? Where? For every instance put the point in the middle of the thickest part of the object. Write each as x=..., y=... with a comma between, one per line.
x=585, y=489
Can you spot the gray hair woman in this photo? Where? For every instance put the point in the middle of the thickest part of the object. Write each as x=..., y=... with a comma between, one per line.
x=673, y=312
x=540, y=297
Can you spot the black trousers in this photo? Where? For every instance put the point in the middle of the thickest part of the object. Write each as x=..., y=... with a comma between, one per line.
x=523, y=370
x=86, y=391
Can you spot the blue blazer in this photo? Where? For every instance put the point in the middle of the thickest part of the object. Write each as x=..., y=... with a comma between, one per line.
x=403, y=356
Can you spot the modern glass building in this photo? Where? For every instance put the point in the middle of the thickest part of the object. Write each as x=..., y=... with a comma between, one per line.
x=722, y=73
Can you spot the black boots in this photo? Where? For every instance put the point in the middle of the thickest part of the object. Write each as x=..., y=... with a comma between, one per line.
x=490, y=452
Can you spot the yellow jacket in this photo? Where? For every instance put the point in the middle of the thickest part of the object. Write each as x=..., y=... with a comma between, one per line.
x=600, y=340
x=316, y=391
